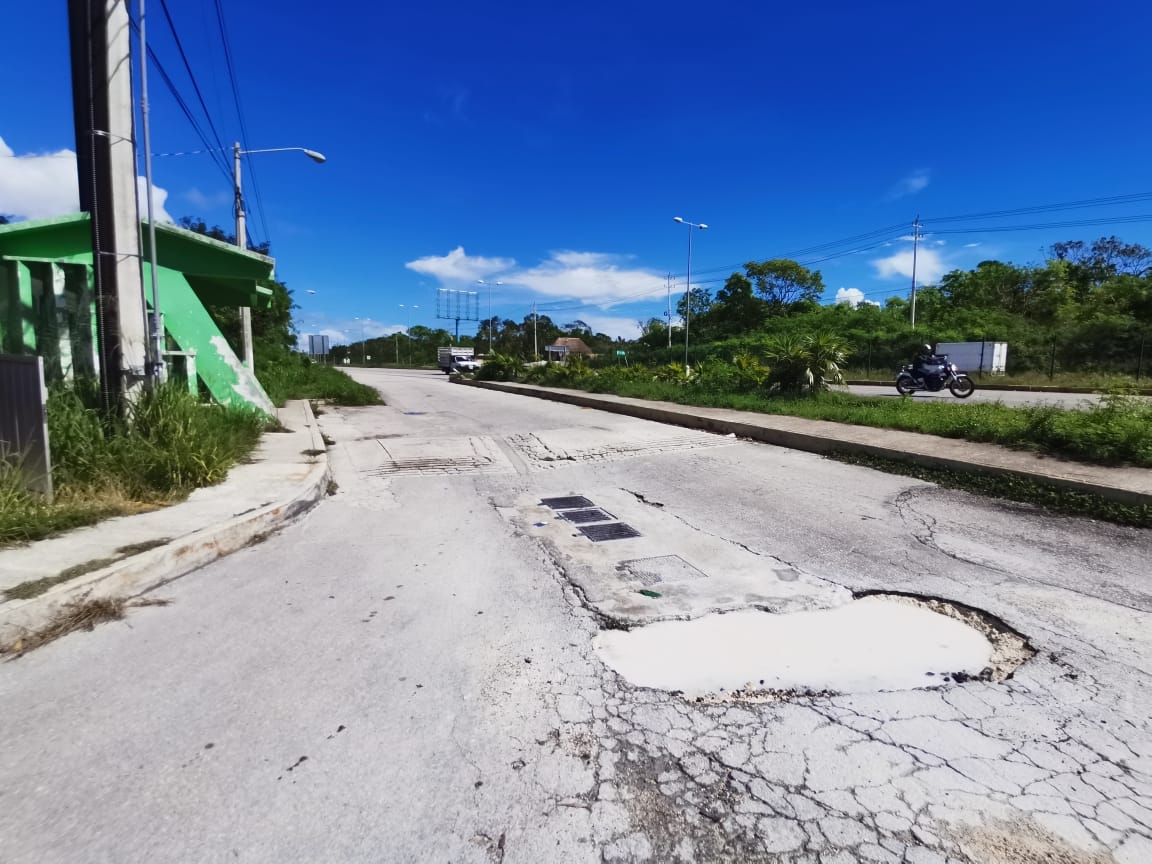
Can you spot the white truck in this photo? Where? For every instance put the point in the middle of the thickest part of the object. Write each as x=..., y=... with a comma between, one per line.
x=457, y=360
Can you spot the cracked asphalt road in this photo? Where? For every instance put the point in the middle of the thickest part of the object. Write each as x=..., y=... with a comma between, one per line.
x=428, y=649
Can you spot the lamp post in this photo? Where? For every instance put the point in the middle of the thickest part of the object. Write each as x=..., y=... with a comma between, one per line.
x=490, y=327
x=363, y=346
x=241, y=230
x=408, y=329
x=688, y=292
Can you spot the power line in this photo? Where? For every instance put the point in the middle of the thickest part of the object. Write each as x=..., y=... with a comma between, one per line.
x=240, y=117
x=217, y=158
x=191, y=74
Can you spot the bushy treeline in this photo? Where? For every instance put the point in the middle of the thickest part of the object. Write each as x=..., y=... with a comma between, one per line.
x=1086, y=308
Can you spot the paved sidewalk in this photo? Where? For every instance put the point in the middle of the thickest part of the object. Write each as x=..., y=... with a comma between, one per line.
x=1124, y=484
x=127, y=555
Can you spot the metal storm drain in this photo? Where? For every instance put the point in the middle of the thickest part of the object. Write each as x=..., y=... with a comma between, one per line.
x=431, y=465
x=663, y=568
x=608, y=531
x=583, y=517
x=581, y=511
x=572, y=502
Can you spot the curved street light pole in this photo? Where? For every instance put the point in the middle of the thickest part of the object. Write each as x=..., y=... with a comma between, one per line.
x=688, y=292
x=241, y=228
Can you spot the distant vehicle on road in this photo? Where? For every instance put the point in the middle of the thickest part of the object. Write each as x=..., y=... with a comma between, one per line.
x=457, y=360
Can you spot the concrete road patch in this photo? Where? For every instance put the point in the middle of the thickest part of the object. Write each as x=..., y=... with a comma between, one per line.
x=671, y=570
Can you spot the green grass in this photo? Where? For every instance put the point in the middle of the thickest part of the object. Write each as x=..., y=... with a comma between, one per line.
x=170, y=445
x=293, y=376
x=1117, y=431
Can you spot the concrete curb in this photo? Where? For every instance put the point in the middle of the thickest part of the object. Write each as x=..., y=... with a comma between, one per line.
x=816, y=443
x=1019, y=388
x=145, y=571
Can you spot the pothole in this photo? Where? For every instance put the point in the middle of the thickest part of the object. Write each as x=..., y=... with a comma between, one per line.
x=877, y=642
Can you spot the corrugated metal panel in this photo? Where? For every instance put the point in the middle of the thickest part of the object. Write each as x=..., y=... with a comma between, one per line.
x=24, y=419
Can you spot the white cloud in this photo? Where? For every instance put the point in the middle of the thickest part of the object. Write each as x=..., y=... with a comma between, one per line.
x=939, y=242
x=915, y=182
x=607, y=324
x=202, y=201
x=849, y=297
x=459, y=266
x=596, y=278
x=971, y=245
x=930, y=266
x=39, y=185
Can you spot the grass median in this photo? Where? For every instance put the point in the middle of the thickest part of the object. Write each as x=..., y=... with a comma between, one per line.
x=1116, y=431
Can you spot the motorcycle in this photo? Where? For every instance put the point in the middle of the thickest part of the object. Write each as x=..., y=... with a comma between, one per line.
x=935, y=379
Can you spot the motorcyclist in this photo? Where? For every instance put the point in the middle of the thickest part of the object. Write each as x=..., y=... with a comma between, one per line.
x=926, y=366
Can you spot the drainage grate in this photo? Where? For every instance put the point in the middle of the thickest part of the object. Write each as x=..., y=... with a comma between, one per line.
x=663, y=568
x=609, y=531
x=432, y=465
x=574, y=502
x=594, y=514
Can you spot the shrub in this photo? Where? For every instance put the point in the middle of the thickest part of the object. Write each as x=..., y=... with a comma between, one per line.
x=501, y=367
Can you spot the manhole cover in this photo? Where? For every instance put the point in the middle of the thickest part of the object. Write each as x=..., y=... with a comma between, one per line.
x=594, y=514
x=609, y=531
x=573, y=502
x=663, y=568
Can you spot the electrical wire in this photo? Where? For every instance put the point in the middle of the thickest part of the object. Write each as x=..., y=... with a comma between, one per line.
x=217, y=157
x=191, y=75
x=257, y=197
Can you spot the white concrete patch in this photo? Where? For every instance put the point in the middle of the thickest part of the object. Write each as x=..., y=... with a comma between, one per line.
x=554, y=447
x=868, y=645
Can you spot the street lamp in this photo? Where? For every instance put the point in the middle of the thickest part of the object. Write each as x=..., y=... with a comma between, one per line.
x=408, y=330
x=241, y=231
x=490, y=327
x=363, y=347
x=688, y=293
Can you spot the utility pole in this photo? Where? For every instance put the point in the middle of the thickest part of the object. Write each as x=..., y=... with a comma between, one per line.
x=915, y=244
x=668, y=313
x=158, y=371
x=106, y=169
x=242, y=242
x=535, y=342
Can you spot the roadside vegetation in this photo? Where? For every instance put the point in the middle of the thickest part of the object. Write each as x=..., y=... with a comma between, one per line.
x=291, y=375
x=794, y=379
x=168, y=445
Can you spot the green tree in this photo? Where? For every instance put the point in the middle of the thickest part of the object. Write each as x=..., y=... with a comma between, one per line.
x=785, y=285
x=737, y=310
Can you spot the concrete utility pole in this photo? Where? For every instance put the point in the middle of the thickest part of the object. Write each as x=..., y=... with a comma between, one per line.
x=915, y=244
x=668, y=314
x=242, y=242
x=536, y=342
x=106, y=169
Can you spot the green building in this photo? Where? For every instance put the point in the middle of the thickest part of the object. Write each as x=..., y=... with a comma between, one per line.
x=47, y=301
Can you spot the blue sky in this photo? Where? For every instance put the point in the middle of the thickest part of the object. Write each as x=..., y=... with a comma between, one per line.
x=549, y=146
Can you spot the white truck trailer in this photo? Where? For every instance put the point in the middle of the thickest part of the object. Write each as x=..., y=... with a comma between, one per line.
x=457, y=360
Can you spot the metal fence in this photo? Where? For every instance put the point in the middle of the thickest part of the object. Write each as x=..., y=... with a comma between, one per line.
x=24, y=419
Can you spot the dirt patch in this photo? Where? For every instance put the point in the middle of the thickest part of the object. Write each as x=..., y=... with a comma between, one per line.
x=1018, y=842
x=137, y=548
x=79, y=615
x=1010, y=648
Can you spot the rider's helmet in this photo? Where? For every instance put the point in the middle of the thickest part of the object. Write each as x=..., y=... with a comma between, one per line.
x=927, y=349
